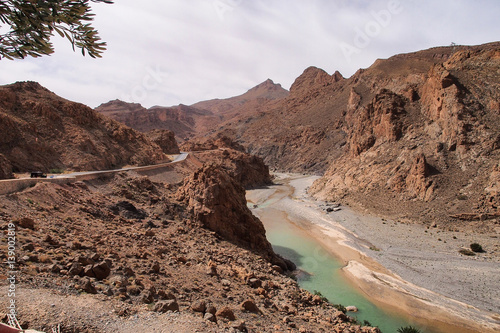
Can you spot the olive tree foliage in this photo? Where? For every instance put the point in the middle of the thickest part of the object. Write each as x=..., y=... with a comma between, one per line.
x=27, y=26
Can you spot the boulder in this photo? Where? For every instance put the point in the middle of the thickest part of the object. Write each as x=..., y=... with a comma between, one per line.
x=351, y=308
x=168, y=305
x=199, y=306
x=226, y=313
x=250, y=306
x=25, y=222
x=75, y=269
x=87, y=286
x=99, y=271
x=210, y=317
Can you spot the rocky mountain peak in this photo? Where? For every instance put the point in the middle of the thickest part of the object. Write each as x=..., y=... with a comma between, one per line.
x=337, y=76
x=119, y=106
x=313, y=78
x=267, y=89
x=267, y=85
x=28, y=86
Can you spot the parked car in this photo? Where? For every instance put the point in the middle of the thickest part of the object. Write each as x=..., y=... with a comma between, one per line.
x=38, y=174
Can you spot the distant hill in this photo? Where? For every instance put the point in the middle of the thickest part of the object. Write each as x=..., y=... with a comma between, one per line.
x=189, y=121
x=41, y=131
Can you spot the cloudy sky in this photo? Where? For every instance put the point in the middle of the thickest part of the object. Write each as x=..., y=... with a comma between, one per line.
x=183, y=51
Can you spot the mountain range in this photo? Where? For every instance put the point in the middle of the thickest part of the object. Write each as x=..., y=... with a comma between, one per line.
x=421, y=130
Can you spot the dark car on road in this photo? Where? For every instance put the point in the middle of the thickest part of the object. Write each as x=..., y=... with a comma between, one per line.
x=38, y=174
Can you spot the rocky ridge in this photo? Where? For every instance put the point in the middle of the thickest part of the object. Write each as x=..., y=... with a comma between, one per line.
x=189, y=121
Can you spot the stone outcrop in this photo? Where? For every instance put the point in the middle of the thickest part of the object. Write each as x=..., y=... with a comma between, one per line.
x=165, y=139
x=247, y=169
x=380, y=120
x=218, y=202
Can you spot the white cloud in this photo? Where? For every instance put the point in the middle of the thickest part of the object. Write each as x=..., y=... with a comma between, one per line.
x=219, y=48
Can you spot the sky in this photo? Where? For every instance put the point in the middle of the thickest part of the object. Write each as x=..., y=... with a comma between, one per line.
x=183, y=51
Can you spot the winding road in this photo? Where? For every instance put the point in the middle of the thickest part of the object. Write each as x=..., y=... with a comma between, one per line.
x=9, y=186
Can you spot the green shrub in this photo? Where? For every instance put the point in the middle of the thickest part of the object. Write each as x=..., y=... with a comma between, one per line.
x=340, y=307
x=408, y=329
x=56, y=171
x=461, y=197
x=476, y=247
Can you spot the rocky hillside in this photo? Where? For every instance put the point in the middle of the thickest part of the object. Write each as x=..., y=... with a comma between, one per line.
x=127, y=254
x=421, y=130
x=431, y=142
x=41, y=131
x=188, y=121
x=181, y=119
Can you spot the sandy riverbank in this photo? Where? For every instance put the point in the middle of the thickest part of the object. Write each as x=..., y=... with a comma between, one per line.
x=407, y=265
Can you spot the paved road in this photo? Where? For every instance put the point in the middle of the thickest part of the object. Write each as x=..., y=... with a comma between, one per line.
x=14, y=185
x=181, y=157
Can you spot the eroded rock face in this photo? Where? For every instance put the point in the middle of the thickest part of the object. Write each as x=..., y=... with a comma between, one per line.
x=415, y=180
x=211, y=143
x=426, y=142
x=379, y=120
x=218, y=202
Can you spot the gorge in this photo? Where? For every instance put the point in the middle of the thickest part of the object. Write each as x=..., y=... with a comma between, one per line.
x=408, y=149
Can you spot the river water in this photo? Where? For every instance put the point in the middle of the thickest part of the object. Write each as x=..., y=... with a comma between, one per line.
x=318, y=270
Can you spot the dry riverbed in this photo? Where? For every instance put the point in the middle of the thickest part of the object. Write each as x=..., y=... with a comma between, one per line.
x=406, y=267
